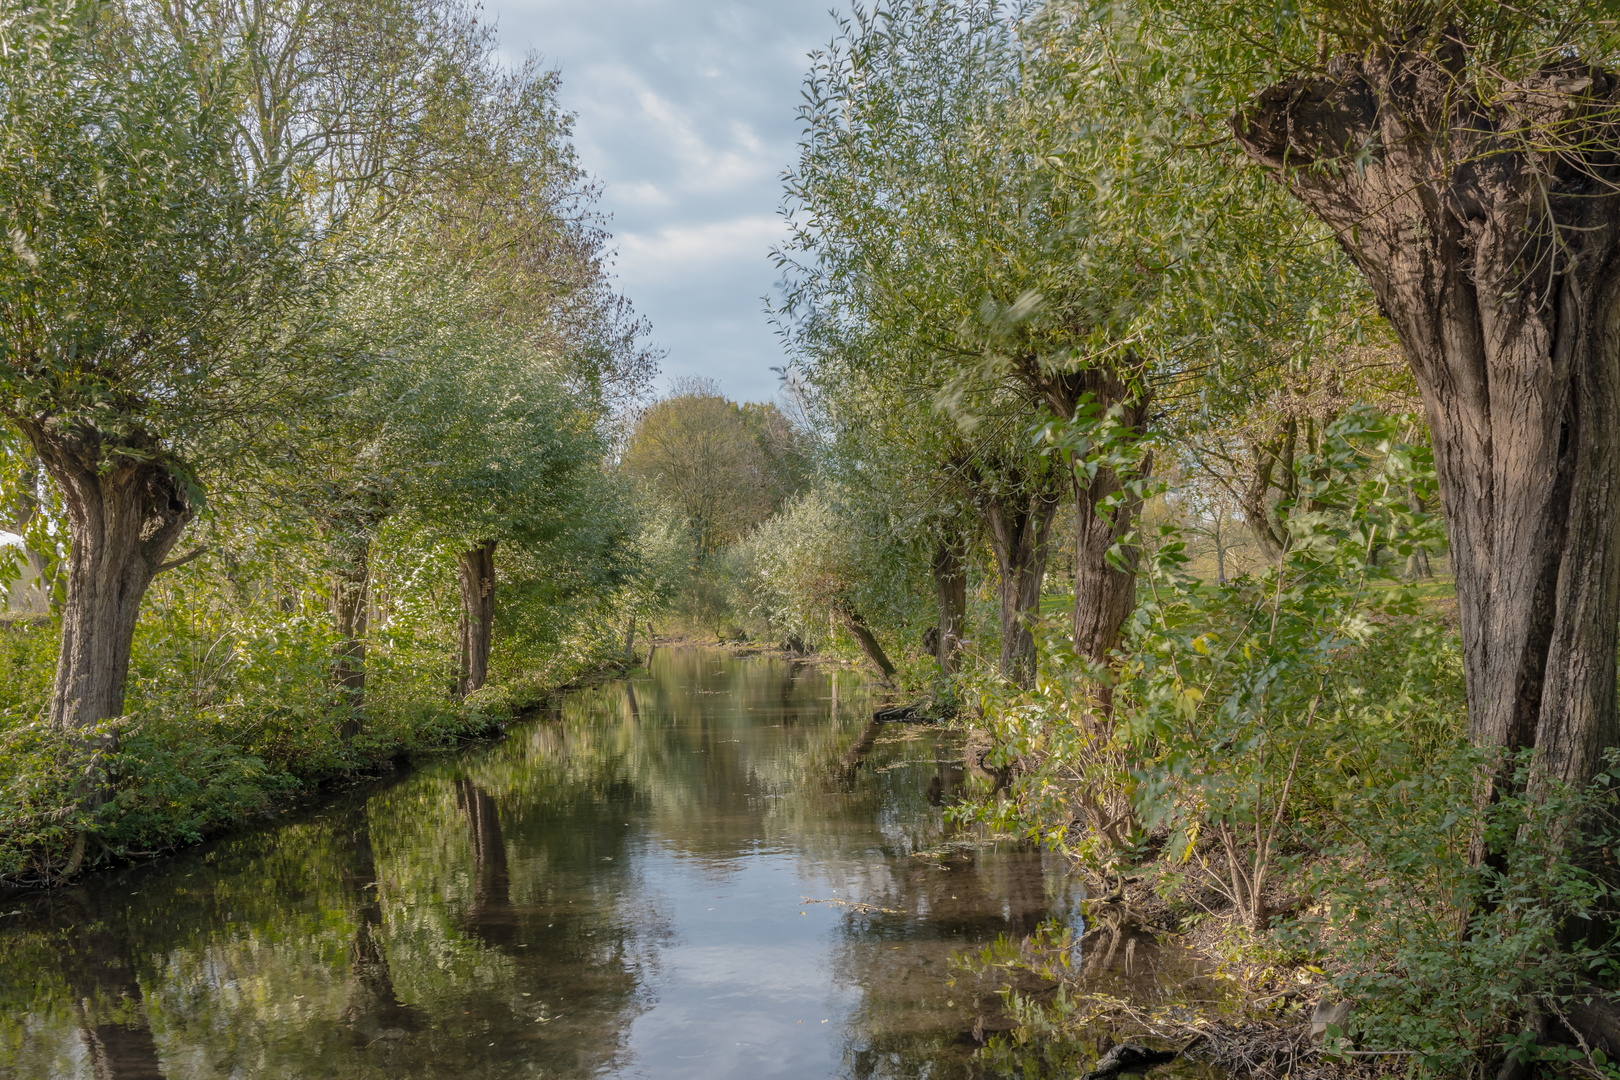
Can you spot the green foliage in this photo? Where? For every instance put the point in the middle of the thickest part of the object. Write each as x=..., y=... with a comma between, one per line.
x=726, y=467
x=151, y=292
x=1451, y=959
x=1229, y=689
x=821, y=556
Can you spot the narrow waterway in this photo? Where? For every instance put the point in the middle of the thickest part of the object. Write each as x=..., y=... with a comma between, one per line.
x=717, y=869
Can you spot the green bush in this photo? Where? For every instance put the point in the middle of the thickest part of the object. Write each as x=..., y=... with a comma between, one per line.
x=1448, y=959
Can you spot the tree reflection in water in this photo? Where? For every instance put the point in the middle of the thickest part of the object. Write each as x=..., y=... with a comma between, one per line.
x=107, y=1002
x=617, y=888
x=371, y=1010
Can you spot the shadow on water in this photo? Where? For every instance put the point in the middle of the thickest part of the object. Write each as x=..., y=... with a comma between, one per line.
x=717, y=869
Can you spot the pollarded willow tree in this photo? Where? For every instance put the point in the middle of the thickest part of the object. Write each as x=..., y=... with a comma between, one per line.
x=153, y=296
x=932, y=482
x=1004, y=196
x=1467, y=157
x=485, y=444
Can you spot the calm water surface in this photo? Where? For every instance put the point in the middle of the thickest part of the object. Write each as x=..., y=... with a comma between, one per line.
x=717, y=869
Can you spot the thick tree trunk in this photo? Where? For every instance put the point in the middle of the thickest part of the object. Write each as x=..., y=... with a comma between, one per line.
x=1489, y=236
x=477, y=578
x=123, y=521
x=950, y=586
x=863, y=636
x=1019, y=523
x=352, y=606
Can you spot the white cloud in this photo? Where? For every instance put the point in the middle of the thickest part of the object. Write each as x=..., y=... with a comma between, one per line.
x=677, y=251
x=688, y=112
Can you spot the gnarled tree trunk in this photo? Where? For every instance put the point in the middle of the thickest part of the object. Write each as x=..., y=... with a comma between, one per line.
x=124, y=520
x=1103, y=595
x=950, y=585
x=476, y=574
x=1490, y=234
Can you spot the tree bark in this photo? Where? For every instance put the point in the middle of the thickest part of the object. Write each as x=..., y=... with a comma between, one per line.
x=950, y=585
x=352, y=605
x=125, y=511
x=1273, y=467
x=1020, y=520
x=863, y=636
x=1103, y=595
x=477, y=578
x=1488, y=233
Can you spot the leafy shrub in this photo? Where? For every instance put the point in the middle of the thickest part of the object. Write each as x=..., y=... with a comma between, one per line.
x=1447, y=959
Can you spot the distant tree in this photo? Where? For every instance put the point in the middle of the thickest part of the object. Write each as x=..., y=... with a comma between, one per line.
x=726, y=467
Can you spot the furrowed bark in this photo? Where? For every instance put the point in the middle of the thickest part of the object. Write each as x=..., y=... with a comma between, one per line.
x=125, y=515
x=1019, y=523
x=1488, y=233
x=476, y=575
x=950, y=586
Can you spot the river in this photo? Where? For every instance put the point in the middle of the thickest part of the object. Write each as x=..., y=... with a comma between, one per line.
x=715, y=869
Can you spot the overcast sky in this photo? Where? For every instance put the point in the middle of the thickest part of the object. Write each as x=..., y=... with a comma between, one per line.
x=687, y=112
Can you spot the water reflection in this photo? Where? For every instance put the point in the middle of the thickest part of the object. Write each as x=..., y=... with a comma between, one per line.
x=718, y=869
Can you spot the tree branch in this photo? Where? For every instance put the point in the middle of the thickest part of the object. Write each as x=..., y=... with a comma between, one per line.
x=181, y=561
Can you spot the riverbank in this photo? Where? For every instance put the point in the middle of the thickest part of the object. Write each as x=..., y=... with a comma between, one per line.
x=183, y=772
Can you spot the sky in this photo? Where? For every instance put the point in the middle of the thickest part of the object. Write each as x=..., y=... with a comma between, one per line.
x=687, y=113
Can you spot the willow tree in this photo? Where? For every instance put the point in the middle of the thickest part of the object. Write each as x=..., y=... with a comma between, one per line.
x=419, y=143
x=154, y=296
x=487, y=447
x=1003, y=196
x=1467, y=157
x=931, y=483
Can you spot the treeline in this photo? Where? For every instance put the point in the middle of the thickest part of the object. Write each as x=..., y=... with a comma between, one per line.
x=1126, y=278
x=312, y=376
